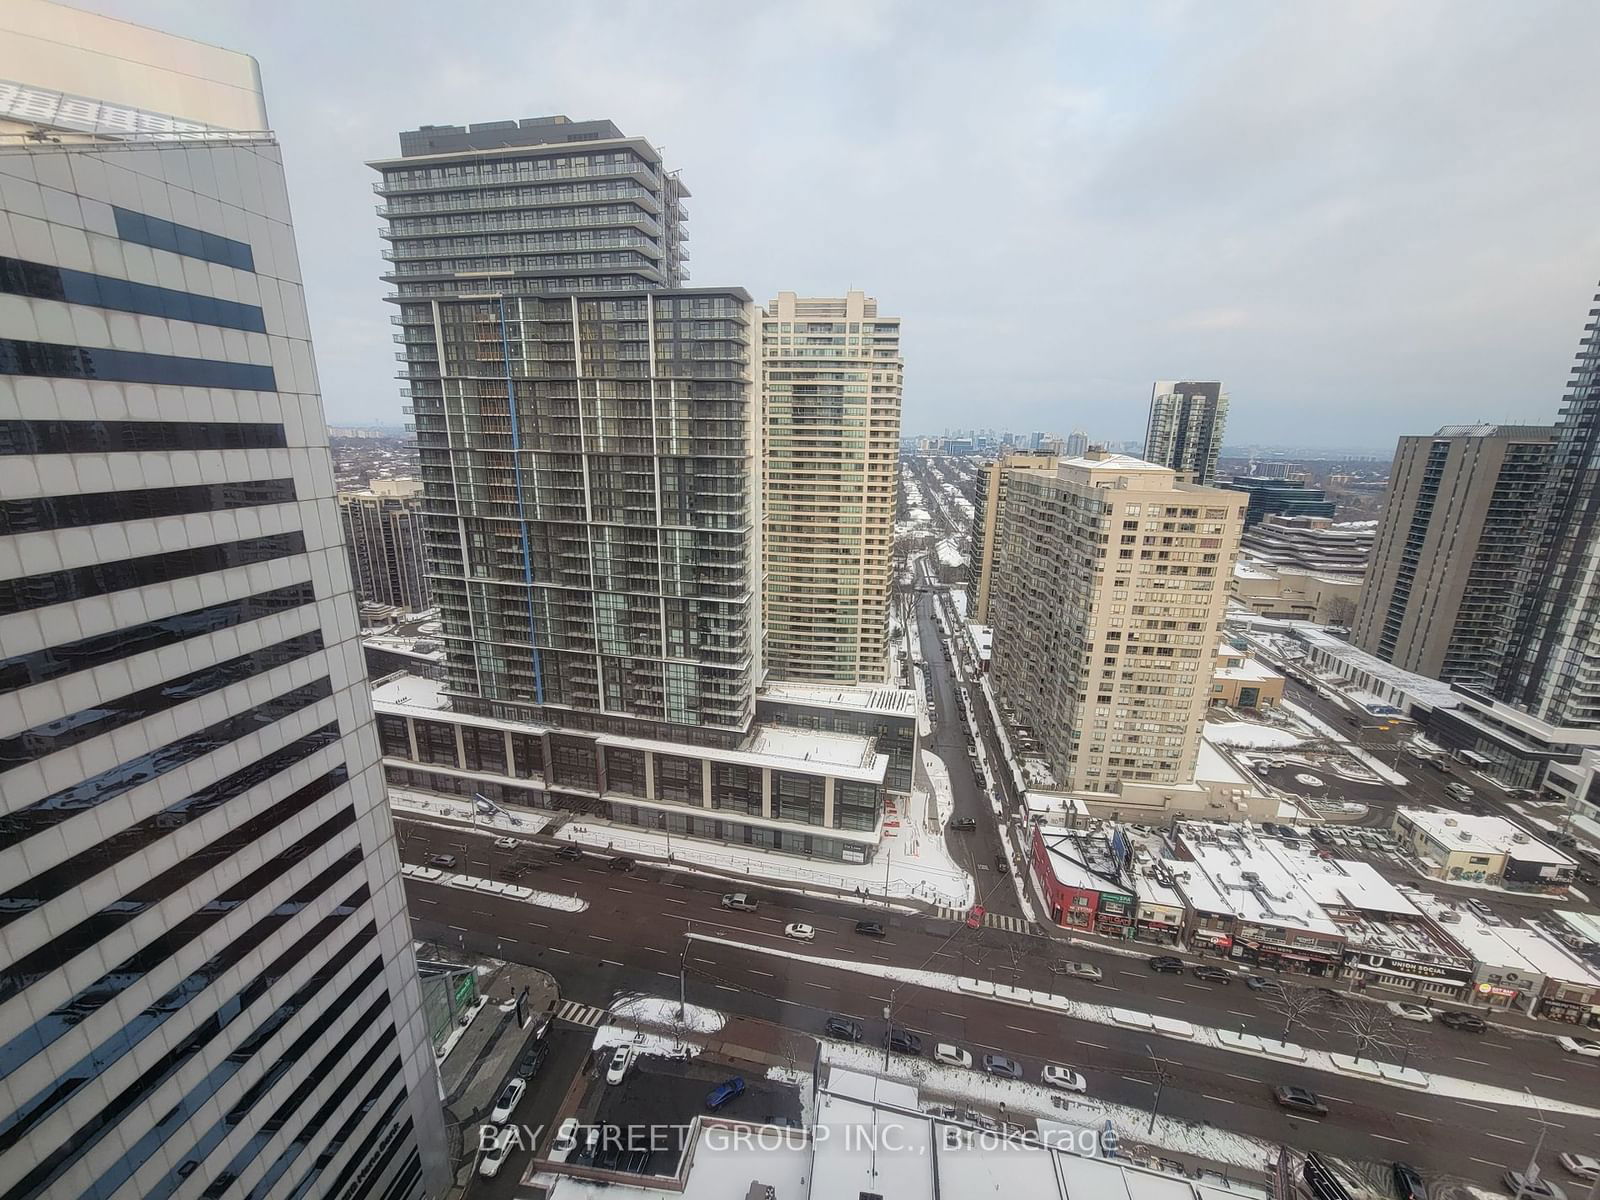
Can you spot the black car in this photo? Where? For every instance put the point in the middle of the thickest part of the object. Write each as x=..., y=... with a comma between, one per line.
x=964, y=824
x=621, y=864
x=1213, y=974
x=569, y=853
x=528, y=1066
x=1408, y=1184
x=1001, y=864
x=1464, y=1021
x=903, y=1041
x=1165, y=964
x=870, y=928
x=842, y=1027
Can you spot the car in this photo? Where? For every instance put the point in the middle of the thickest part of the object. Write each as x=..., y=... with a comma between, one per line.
x=1465, y=1022
x=964, y=824
x=1584, y=1166
x=903, y=1041
x=510, y=1096
x=621, y=1060
x=1082, y=970
x=528, y=1065
x=843, y=1028
x=1460, y=791
x=569, y=853
x=1407, y=1011
x=1213, y=974
x=1165, y=964
x=951, y=1056
x=1002, y=864
x=800, y=933
x=512, y=872
x=1583, y=1047
x=999, y=1064
x=728, y=1089
x=623, y=864
x=1520, y=1186
x=494, y=1157
x=740, y=902
x=507, y=843
x=442, y=862
x=565, y=1141
x=1261, y=983
x=1065, y=1078
x=870, y=928
x=975, y=916
x=1320, y=836
x=1408, y=1182
x=1584, y=875
x=1299, y=1100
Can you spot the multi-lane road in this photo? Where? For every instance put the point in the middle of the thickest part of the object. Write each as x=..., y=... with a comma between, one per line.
x=631, y=938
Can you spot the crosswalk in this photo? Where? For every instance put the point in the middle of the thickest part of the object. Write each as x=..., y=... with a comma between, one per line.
x=990, y=920
x=580, y=1014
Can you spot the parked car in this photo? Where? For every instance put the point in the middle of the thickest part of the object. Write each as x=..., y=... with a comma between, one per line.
x=903, y=1041
x=532, y=1059
x=1213, y=974
x=1165, y=964
x=951, y=1056
x=1299, y=1099
x=569, y=853
x=1523, y=1188
x=1065, y=1078
x=1584, y=1166
x=506, y=843
x=800, y=933
x=565, y=1141
x=739, y=902
x=1407, y=1011
x=623, y=864
x=964, y=824
x=621, y=1060
x=1408, y=1182
x=1584, y=1047
x=843, y=1028
x=999, y=1064
x=1464, y=1021
x=495, y=1156
x=443, y=862
x=1584, y=875
x=510, y=1097
x=725, y=1091
x=870, y=928
x=1082, y=970
x=1002, y=864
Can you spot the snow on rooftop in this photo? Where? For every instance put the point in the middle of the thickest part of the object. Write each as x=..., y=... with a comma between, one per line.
x=870, y=699
x=1516, y=948
x=812, y=746
x=411, y=691
x=1212, y=766
x=1484, y=835
x=1255, y=886
x=1248, y=671
x=1248, y=735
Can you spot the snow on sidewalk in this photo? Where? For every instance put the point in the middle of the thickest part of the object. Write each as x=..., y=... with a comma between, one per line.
x=1101, y=1014
x=493, y=887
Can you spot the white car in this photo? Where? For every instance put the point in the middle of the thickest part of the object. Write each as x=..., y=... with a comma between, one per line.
x=951, y=1056
x=506, y=843
x=1064, y=1078
x=1583, y=1046
x=510, y=1097
x=566, y=1140
x=1082, y=970
x=621, y=1060
x=800, y=933
x=495, y=1156
x=1409, y=1012
x=1584, y=1166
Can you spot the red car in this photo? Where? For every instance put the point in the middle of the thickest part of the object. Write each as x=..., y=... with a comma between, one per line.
x=975, y=916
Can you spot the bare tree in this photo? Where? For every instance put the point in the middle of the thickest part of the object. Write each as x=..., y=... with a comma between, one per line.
x=1294, y=1004
x=1370, y=1025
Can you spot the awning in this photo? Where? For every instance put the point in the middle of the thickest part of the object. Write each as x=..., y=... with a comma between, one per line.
x=1450, y=979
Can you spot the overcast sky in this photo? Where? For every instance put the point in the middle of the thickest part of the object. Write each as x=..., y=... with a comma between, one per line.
x=1366, y=219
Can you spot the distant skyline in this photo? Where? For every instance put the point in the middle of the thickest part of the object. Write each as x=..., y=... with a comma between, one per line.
x=1367, y=220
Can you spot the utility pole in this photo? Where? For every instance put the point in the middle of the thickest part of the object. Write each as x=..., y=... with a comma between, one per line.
x=683, y=963
x=1161, y=1081
x=1531, y=1173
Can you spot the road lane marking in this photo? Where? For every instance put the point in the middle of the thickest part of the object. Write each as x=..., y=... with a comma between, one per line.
x=1199, y=987
x=1383, y=1137
x=1218, y=1099
x=610, y=962
x=1235, y=1012
x=1487, y=1163
x=1484, y=1107
x=1503, y=1138
x=666, y=974
x=1340, y=1099
x=1020, y=1029
x=765, y=974
x=722, y=987
x=595, y=937
x=710, y=962
x=624, y=891
x=1414, y=1117
x=674, y=900
x=557, y=950
x=424, y=900
x=1541, y=1075
x=956, y=1016
x=459, y=928
x=1246, y=1078
x=1477, y=1062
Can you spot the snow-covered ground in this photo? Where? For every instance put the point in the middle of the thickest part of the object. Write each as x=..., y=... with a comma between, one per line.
x=495, y=887
x=658, y=1010
x=1323, y=729
x=663, y=1045
x=1250, y=736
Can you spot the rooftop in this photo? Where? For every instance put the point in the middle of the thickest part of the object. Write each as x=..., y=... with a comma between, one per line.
x=901, y=701
x=1516, y=948
x=1253, y=884
x=1484, y=835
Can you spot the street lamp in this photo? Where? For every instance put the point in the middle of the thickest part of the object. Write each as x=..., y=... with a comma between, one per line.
x=1529, y=1175
x=683, y=963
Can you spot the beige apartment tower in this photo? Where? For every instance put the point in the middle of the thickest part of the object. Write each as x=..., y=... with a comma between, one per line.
x=1110, y=585
x=830, y=399
x=990, y=500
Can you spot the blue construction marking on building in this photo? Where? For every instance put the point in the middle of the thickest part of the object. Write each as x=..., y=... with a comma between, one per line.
x=522, y=512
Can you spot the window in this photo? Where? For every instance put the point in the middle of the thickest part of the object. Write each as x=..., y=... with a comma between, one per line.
x=101, y=437
x=97, y=508
x=736, y=788
x=182, y=239
x=678, y=779
x=392, y=736
x=53, y=360
x=797, y=798
x=527, y=752
x=486, y=749
x=42, y=282
x=624, y=770
x=436, y=743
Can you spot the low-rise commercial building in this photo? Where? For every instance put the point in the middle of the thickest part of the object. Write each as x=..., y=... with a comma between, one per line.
x=1240, y=680
x=1294, y=593
x=1270, y=495
x=1086, y=883
x=1484, y=849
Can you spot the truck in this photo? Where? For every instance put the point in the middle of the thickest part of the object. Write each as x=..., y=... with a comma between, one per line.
x=738, y=901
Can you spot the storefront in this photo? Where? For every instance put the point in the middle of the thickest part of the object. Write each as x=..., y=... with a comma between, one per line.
x=1445, y=980
x=1114, y=915
x=1274, y=957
